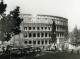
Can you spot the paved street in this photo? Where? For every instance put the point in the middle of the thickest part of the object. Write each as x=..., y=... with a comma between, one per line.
x=51, y=55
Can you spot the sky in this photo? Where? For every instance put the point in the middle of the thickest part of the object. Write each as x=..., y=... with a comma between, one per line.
x=69, y=9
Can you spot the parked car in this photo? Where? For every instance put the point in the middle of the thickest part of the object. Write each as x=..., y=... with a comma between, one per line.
x=15, y=51
x=35, y=49
x=26, y=50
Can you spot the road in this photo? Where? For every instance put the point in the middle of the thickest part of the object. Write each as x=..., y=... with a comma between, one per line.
x=49, y=55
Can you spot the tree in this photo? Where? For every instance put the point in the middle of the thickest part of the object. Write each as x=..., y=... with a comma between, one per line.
x=53, y=35
x=10, y=24
x=17, y=20
x=2, y=10
x=66, y=35
x=2, y=7
x=75, y=39
x=76, y=35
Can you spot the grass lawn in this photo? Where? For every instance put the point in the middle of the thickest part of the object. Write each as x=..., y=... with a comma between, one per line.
x=55, y=56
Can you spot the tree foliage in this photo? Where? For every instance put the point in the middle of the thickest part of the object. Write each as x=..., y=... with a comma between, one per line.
x=66, y=34
x=75, y=37
x=2, y=26
x=17, y=20
x=10, y=24
x=2, y=7
x=53, y=35
x=13, y=23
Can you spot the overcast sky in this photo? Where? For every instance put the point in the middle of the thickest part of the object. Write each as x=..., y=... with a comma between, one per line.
x=69, y=9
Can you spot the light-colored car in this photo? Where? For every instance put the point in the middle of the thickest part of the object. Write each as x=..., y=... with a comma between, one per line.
x=35, y=49
x=15, y=51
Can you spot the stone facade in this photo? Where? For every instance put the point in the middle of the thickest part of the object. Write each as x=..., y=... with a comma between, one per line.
x=36, y=30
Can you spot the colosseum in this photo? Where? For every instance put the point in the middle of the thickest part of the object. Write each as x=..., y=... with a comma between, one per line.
x=36, y=30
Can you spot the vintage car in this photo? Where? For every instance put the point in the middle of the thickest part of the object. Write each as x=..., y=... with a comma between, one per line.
x=15, y=51
x=26, y=50
x=35, y=49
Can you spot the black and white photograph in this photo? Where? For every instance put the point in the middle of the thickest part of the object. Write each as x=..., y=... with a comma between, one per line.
x=39, y=29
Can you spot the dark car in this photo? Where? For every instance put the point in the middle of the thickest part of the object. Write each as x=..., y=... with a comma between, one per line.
x=26, y=50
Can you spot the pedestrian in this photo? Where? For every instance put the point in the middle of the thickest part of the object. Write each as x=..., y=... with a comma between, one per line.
x=3, y=48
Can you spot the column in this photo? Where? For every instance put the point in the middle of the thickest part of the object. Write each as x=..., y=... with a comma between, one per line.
x=57, y=40
x=32, y=43
x=27, y=42
x=56, y=28
x=27, y=35
x=59, y=35
x=36, y=35
x=47, y=34
x=36, y=42
x=40, y=42
x=44, y=34
x=40, y=35
x=48, y=42
x=31, y=35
